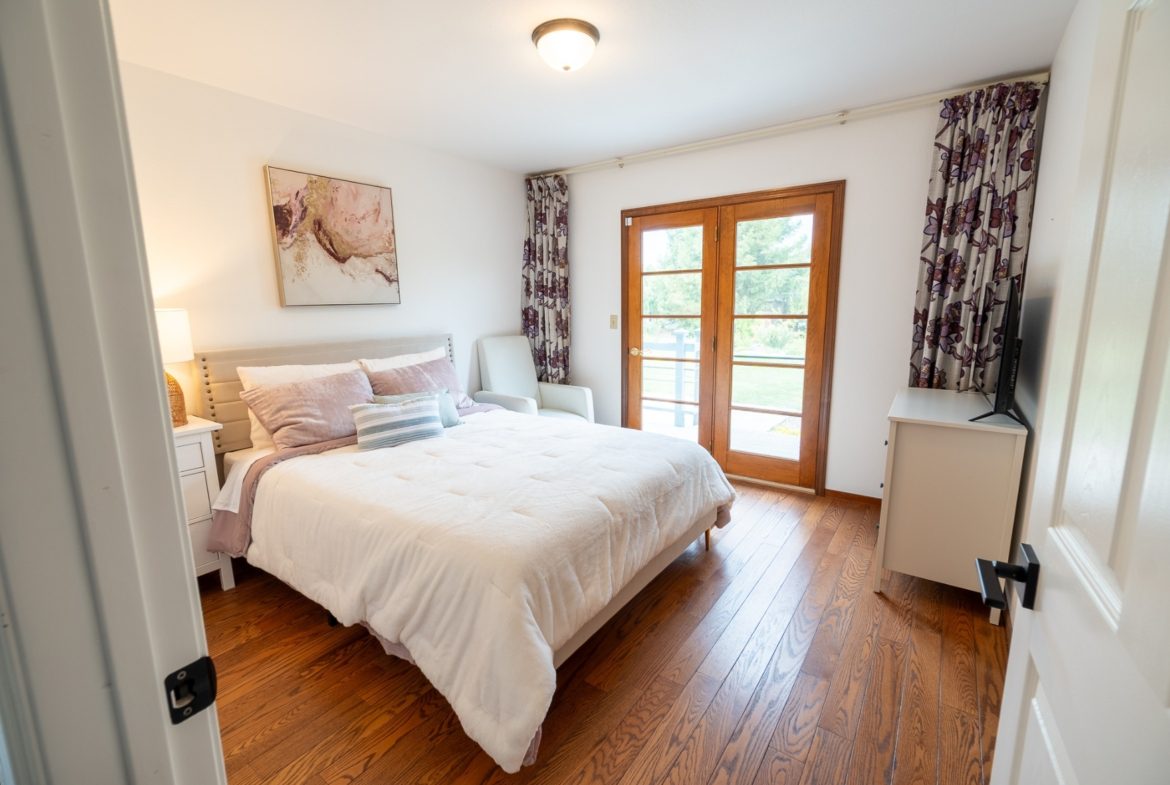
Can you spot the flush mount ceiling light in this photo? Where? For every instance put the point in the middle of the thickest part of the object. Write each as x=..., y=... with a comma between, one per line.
x=565, y=44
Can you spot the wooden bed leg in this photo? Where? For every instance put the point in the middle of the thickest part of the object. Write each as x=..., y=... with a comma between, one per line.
x=707, y=539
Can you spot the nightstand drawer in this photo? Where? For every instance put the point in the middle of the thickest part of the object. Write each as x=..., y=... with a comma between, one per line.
x=199, y=533
x=195, y=457
x=195, y=498
x=189, y=456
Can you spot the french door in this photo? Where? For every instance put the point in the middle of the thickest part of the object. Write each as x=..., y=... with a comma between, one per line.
x=729, y=308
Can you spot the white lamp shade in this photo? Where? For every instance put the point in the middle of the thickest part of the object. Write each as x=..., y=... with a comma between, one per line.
x=174, y=335
x=565, y=44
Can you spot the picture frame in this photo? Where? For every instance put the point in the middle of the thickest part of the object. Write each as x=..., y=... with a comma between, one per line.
x=334, y=239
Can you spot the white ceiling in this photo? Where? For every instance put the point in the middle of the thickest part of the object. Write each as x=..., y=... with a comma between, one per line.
x=463, y=76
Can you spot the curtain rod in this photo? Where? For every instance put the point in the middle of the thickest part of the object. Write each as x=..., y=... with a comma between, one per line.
x=836, y=118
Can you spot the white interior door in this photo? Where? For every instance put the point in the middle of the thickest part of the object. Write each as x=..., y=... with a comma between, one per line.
x=98, y=600
x=1087, y=696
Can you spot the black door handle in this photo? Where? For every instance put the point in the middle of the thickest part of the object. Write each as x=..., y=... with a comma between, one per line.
x=1027, y=573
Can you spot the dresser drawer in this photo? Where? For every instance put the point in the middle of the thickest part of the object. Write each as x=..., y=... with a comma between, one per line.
x=189, y=456
x=199, y=533
x=195, y=499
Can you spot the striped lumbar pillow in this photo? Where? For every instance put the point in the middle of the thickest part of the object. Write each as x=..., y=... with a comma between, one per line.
x=392, y=424
x=447, y=411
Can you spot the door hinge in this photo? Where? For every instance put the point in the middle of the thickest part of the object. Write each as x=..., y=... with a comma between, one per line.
x=190, y=690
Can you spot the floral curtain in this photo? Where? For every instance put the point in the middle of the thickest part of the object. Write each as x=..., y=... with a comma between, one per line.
x=545, y=305
x=978, y=218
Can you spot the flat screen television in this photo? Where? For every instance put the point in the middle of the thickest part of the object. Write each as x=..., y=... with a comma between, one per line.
x=1009, y=359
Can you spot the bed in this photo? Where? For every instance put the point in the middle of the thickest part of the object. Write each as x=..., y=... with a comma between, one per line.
x=487, y=556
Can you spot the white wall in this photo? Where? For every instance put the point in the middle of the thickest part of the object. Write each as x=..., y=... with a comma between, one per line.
x=885, y=162
x=199, y=154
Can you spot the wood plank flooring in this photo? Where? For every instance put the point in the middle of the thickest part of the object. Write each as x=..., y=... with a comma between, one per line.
x=766, y=660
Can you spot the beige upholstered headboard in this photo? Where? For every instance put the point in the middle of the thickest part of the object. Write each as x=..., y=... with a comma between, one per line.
x=219, y=384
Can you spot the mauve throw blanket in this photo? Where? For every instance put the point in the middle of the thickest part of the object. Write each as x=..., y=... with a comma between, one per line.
x=231, y=532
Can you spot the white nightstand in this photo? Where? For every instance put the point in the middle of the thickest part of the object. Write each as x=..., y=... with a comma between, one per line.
x=200, y=484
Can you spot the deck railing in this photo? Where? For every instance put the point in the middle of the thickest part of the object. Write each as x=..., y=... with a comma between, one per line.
x=682, y=374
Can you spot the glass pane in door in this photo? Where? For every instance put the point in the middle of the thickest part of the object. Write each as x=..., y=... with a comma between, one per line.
x=671, y=338
x=672, y=381
x=773, y=258
x=775, y=435
x=774, y=290
x=672, y=304
x=770, y=340
x=760, y=387
x=672, y=249
x=786, y=240
x=672, y=419
x=672, y=294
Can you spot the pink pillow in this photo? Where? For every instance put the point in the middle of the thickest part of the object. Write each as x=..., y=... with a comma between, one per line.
x=310, y=411
x=422, y=377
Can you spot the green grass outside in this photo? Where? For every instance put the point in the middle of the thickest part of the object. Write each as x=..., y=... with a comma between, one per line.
x=779, y=388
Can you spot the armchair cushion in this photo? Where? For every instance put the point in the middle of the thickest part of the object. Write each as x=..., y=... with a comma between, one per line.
x=574, y=400
x=559, y=414
x=515, y=403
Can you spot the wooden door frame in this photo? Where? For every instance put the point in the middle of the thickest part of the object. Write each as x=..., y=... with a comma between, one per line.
x=835, y=188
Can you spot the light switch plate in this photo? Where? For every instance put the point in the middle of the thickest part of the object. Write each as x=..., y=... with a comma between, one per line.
x=613, y=321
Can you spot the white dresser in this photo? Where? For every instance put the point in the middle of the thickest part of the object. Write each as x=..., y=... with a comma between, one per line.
x=200, y=484
x=950, y=491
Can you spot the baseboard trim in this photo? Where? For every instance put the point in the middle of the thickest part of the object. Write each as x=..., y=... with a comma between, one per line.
x=840, y=496
x=852, y=497
x=769, y=484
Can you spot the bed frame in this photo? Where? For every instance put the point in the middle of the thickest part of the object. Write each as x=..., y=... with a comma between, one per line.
x=220, y=388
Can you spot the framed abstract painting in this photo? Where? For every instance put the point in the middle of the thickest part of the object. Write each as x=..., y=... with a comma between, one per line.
x=334, y=240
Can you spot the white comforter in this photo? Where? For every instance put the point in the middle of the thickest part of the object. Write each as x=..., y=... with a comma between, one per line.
x=484, y=551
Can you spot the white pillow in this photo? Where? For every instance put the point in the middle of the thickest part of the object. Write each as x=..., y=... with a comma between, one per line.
x=402, y=360
x=258, y=376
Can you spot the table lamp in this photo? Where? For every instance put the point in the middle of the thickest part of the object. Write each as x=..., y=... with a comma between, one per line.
x=174, y=341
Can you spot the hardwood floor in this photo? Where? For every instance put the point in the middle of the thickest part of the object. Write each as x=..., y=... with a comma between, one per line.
x=765, y=661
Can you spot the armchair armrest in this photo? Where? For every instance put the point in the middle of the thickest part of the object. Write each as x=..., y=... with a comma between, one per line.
x=515, y=403
x=568, y=398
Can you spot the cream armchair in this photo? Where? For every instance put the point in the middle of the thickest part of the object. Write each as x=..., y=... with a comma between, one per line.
x=508, y=376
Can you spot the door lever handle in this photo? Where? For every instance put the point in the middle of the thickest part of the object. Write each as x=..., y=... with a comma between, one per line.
x=1027, y=573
